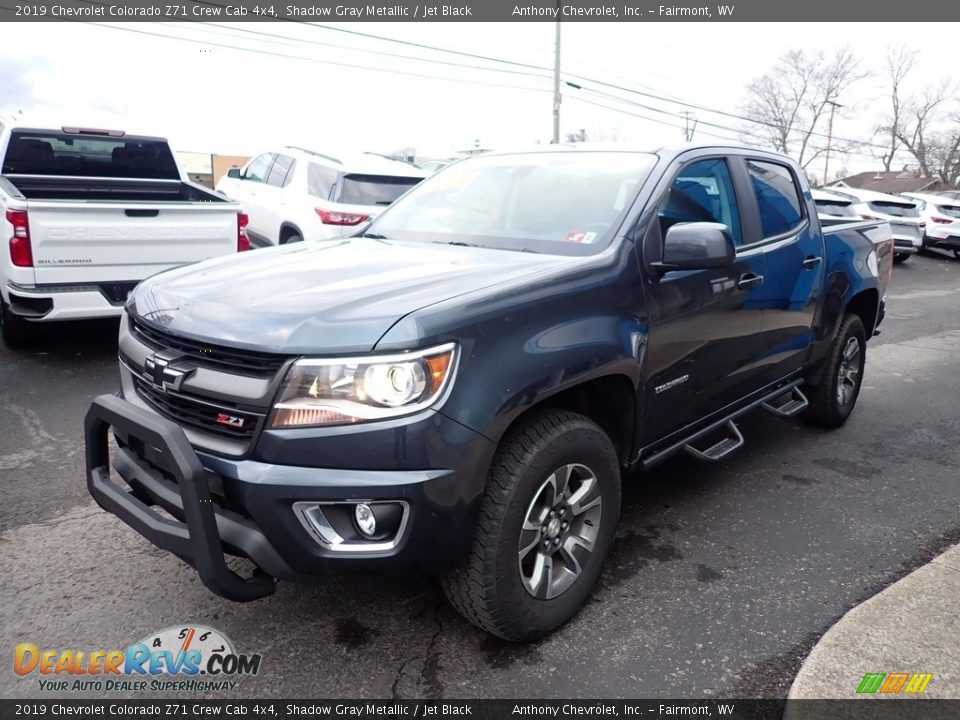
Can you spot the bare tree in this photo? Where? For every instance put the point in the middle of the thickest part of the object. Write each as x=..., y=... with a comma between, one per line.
x=899, y=63
x=578, y=136
x=792, y=101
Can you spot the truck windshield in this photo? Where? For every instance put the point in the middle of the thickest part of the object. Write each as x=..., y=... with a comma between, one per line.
x=565, y=203
x=45, y=152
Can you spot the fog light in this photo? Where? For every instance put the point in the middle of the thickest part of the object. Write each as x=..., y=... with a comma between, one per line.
x=366, y=522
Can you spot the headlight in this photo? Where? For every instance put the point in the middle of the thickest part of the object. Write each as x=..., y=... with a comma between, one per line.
x=350, y=390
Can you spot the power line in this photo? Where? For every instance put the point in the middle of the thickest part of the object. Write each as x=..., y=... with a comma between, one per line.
x=314, y=60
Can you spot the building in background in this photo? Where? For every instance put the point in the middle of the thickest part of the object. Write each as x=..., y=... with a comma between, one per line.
x=206, y=169
x=892, y=182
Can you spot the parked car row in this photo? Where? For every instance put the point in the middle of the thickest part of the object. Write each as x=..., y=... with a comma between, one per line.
x=918, y=220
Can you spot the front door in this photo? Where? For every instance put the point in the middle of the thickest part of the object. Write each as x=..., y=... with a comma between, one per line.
x=705, y=325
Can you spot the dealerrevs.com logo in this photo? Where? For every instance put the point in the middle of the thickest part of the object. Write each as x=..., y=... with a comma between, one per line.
x=191, y=658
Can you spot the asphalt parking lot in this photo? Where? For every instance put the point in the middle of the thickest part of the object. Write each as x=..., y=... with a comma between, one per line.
x=722, y=577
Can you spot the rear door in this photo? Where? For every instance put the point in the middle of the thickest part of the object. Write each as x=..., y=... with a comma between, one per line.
x=705, y=325
x=792, y=243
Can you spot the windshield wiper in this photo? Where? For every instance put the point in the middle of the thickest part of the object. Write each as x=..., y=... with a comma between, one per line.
x=458, y=243
x=374, y=236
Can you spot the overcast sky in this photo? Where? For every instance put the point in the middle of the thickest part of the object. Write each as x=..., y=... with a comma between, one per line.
x=226, y=93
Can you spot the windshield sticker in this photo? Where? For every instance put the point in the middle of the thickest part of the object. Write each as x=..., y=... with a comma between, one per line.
x=579, y=236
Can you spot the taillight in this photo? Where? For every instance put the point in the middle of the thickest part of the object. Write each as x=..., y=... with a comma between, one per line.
x=243, y=242
x=941, y=220
x=331, y=217
x=20, y=252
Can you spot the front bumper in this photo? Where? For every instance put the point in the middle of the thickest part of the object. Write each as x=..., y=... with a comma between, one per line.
x=217, y=506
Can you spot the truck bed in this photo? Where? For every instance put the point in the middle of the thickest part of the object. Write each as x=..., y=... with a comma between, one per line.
x=41, y=187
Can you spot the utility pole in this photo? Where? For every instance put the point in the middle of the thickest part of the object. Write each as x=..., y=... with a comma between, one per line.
x=556, y=83
x=688, y=129
x=826, y=160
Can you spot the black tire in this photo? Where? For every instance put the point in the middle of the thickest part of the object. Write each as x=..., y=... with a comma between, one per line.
x=292, y=238
x=956, y=254
x=827, y=409
x=488, y=589
x=900, y=258
x=16, y=331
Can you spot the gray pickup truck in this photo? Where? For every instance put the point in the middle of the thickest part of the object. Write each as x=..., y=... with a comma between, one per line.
x=463, y=386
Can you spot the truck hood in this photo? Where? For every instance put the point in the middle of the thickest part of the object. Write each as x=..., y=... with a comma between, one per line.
x=339, y=296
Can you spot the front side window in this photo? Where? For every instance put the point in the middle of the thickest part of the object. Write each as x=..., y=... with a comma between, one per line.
x=777, y=198
x=257, y=170
x=702, y=192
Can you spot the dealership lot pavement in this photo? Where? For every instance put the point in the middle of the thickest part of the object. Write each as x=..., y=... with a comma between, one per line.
x=722, y=578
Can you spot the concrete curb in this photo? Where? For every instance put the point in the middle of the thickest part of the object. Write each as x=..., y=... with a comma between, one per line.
x=913, y=627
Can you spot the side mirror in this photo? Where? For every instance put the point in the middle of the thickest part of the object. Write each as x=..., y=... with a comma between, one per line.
x=697, y=246
x=233, y=173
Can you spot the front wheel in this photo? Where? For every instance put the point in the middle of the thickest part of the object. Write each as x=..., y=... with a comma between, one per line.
x=547, y=521
x=956, y=253
x=832, y=401
x=901, y=258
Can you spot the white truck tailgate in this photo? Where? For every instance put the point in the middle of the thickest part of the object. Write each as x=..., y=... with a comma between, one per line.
x=107, y=242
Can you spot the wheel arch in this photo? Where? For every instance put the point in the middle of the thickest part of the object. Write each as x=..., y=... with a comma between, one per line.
x=287, y=229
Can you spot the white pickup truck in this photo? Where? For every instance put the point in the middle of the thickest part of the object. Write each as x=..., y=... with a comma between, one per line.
x=87, y=214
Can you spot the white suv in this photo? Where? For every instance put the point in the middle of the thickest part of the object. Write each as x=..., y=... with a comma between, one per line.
x=902, y=214
x=943, y=220
x=296, y=194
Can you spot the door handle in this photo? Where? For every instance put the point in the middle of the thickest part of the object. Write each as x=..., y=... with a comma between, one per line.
x=750, y=281
x=811, y=262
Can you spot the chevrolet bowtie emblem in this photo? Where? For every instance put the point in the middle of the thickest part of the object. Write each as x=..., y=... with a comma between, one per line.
x=164, y=377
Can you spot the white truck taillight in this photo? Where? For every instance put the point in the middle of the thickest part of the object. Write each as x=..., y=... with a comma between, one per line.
x=21, y=254
x=243, y=242
x=332, y=217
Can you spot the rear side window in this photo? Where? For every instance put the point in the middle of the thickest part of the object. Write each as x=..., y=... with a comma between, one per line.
x=777, y=198
x=374, y=189
x=949, y=210
x=895, y=209
x=280, y=171
x=320, y=180
x=43, y=152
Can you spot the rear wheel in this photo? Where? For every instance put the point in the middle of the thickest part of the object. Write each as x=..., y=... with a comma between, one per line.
x=546, y=524
x=956, y=253
x=900, y=258
x=291, y=237
x=16, y=331
x=832, y=401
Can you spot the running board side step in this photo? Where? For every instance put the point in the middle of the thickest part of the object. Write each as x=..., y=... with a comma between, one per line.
x=796, y=404
x=726, y=446
x=733, y=442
